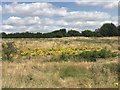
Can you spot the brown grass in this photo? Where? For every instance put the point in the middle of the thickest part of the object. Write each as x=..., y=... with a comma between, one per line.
x=34, y=73
x=47, y=74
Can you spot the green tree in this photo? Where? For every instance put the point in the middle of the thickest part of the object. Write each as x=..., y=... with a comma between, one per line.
x=108, y=29
x=87, y=33
x=63, y=31
x=73, y=33
x=97, y=34
x=59, y=33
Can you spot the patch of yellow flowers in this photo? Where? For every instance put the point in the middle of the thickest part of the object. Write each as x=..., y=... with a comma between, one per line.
x=55, y=51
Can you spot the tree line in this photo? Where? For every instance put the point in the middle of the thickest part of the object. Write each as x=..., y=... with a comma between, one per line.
x=106, y=30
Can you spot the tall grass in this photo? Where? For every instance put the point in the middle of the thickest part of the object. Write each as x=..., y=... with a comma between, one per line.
x=63, y=70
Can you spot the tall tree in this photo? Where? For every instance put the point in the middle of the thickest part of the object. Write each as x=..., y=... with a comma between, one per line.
x=73, y=33
x=87, y=33
x=108, y=29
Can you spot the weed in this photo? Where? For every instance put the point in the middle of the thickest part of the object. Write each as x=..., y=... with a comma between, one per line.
x=8, y=51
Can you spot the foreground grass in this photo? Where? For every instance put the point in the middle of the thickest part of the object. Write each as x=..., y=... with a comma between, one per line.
x=40, y=72
x=34, y=74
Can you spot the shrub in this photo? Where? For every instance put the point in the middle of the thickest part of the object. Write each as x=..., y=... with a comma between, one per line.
x=65, y=56
x=8, y=51
x=91, y=55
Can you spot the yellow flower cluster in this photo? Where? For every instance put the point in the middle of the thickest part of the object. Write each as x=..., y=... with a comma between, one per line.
x=54, y=51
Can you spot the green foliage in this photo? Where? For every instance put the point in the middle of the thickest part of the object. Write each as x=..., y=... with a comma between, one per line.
x=74, y=72
x=8, y=51
x=65, y=56
x=87, y=33
x=90, y=56
x=97, y=34
x=108, y=29
x=73, y=33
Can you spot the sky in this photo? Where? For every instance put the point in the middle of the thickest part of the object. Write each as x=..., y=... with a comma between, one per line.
x=49, y=16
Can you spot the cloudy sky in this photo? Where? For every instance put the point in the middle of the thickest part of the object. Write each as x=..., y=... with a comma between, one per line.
x=49, y=16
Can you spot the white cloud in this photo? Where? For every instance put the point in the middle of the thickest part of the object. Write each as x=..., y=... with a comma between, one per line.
x=106, y=4
x=27, y=21
x=87, y=16
x=32, y=24
x=7, y=27
x=76, y=20
x=33, y=9
x=38, y=17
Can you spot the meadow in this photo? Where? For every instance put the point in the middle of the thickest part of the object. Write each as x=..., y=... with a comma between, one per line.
x=68, y=62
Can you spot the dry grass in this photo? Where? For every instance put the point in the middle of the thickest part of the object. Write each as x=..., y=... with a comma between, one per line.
x=49, y=74
x=34, y=73
x=24, y=44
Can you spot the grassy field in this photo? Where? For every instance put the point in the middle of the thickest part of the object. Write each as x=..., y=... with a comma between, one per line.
x=46, y=70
